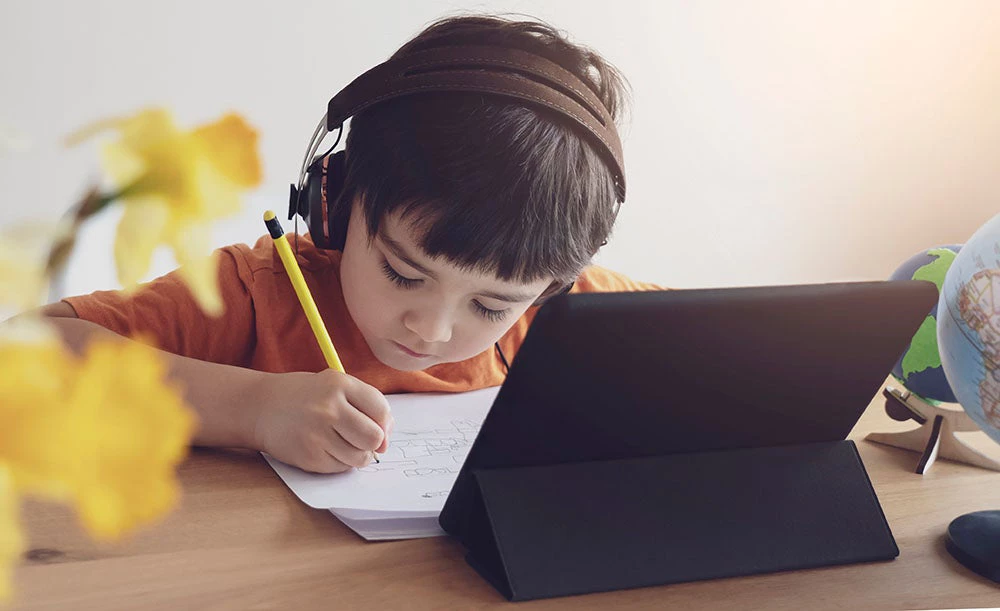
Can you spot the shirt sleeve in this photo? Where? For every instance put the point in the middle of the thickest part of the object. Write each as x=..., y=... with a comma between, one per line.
x=597, y=279
x=593, y=279
x=165, y=312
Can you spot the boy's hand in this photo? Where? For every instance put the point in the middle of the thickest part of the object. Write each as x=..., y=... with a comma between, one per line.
x=325, y=422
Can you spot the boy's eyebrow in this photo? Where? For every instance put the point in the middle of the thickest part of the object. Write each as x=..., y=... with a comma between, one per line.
x=398, y=250
x=513, y=298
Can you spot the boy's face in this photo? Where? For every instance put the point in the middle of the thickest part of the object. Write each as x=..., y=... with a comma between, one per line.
x=415, y=311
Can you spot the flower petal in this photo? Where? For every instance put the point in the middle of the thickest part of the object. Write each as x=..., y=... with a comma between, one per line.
x=12, y=140
x=122, y=163
x=231, y=145
x=12, y=543
x=24, y=250
x=34, y=442
x=140, y=230
x=135, y=429
x=221, y=196
x=199, y=266
x=105, y=433
x=147, y=129
x=174, y=181
x=28, y=328
x=89, y=131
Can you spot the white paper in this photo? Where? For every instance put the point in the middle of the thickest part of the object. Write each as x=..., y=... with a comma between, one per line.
x=394, y=528
x=429, y=442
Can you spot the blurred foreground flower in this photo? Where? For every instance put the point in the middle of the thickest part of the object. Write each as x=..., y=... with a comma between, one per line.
x=23, y=252
x=36, y=374
x=11, y=540
x=103, y=432
x=125, y=456
x=174, y=184
x=12, y=140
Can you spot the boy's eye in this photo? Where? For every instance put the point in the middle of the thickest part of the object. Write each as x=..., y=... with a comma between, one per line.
x=408, y=283
x=488, y=314
x=399, y=280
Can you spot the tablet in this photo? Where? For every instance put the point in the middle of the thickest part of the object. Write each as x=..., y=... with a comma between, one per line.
x=605, y=376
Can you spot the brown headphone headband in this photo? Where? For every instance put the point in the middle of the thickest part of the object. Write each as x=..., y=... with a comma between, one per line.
x=492, y=70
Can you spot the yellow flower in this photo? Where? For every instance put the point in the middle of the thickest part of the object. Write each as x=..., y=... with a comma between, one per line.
x=174, y=184
x=12, y=140
x=11, y=539
x=36, y=373
x=24, y=251
x=104, y=432
x=129, y=432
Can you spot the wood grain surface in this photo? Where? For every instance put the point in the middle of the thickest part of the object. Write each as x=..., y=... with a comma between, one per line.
x=241, y=540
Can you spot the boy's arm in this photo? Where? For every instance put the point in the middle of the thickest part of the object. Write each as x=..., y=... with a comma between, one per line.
x=325, y=422
x=165, y=313
x=225, y=398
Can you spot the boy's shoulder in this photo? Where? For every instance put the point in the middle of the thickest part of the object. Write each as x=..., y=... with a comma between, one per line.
x=263, y=257
x=597, y=279
x=593, y=279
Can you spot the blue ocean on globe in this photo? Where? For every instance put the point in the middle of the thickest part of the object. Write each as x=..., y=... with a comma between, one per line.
x=969, y=327
x=919, y=367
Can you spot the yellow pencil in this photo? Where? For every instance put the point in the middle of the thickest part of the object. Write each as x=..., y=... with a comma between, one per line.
x=305, y=297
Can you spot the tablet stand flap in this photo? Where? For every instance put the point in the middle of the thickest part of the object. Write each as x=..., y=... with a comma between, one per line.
x=555, y=530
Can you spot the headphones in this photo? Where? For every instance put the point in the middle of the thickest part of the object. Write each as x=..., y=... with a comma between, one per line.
x=500, y=71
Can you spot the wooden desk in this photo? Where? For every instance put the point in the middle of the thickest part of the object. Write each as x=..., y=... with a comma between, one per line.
x=241, y=540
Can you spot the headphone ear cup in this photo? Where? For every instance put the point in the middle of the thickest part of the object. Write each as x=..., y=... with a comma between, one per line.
x=338, y=212
x=310, y=203
x=319, y=202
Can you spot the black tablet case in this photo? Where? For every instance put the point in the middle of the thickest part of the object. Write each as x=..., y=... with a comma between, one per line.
x=651, y=438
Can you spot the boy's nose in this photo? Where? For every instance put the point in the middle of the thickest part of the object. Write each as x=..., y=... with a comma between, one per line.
x=430, y=326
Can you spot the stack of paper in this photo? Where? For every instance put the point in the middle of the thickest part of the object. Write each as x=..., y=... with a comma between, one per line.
x=402, y=496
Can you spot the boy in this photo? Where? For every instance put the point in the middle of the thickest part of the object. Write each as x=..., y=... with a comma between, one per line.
x=465, y=211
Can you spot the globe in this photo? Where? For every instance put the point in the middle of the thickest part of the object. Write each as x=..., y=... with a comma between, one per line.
x=968, y=330
x=919, y=367
x=968, y=335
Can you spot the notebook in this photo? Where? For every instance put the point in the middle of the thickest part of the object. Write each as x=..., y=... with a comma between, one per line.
x=402, y=496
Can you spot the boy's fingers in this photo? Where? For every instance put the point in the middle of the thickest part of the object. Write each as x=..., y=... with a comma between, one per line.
x=326, y=463
x=370, y=402
x=385, y=441
x=347, y=453
x=358, y=429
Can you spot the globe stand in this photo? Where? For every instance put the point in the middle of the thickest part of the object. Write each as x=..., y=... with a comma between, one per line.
x=936, y=435
x=974, y=540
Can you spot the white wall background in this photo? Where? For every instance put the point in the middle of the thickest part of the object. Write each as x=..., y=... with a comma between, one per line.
x=770, y=141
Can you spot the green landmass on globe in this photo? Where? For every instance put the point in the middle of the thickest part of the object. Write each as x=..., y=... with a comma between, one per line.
x=923, y=353
x=919, y=367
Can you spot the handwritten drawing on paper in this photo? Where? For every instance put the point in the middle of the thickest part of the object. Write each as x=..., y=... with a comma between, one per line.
x=431, y=438
x=408, y=448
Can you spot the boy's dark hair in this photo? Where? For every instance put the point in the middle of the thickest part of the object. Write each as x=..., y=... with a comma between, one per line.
x=494, y=186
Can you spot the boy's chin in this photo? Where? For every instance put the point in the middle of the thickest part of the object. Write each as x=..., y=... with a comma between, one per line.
x=390, y=356
x=401, y=365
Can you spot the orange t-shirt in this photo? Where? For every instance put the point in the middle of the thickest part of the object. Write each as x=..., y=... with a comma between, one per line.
x=263, y=326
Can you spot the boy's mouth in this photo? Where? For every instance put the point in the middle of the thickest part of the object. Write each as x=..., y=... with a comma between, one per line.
x=408, y=352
